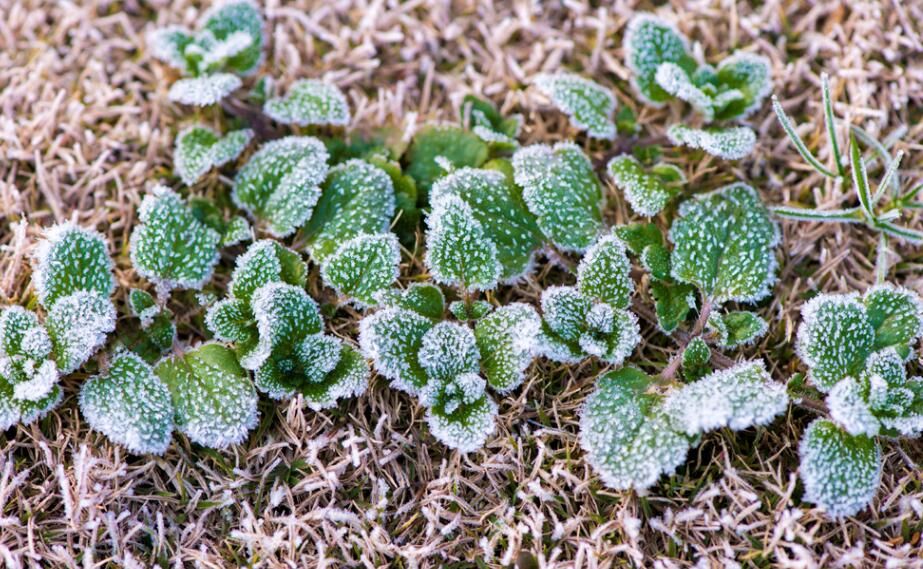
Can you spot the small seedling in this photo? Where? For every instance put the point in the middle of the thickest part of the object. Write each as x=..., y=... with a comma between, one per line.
x=227, y=43
x=158, y=333
x=855, y=349
x=483, y=119
x=310, y=102
x=648, y=191
x=589, y=105
x=198, y=149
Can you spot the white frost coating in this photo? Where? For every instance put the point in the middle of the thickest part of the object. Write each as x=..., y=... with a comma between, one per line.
x=904, y=307
x=391, y=339
x=363, y=266
x=644, y=191
x=224, y=49
x=448, y=350
x=604, y=273
x=760, y=70
x=162, y=45
x=675, y=81
x=310, y=102
x=269, y=304
x=507, y=341
x=850, y=410
x=588, y=105
x=640, y=59
x=194, y=157
x=458, y=252
x=205, y=90
x=738, y=397
x=68, y=259
x=43, y=380
x=471, y=433
x=78, y=325
x=731, y=143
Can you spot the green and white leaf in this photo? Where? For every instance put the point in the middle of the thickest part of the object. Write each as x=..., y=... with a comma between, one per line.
x=896, y=314
x=589, y=105
x=850, y=410
x=649, y=42
x=392, y=339
x=363, y=266
x=470, y=311
x=482, y=118
x=447, y=350
x=423, y=298
x=204, y=90
x=459, y=412
x=647, y=192
x=749, y=74
x=451, y=145
x=604, y=273
x=71, y=259
x=285, y=315
x=675, y=81
x=729, y=143
x=696, y=360
x=737, y=328
x=310, y=102
x=835, y=338
x=506, y=340
x=78, y=325
x=231, y=19
x=198, y=149
x=459, y=251
x=672, y=303
x=266, y=261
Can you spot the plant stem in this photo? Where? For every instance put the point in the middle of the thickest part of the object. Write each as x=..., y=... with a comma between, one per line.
x=881, y=259
x=669, y=372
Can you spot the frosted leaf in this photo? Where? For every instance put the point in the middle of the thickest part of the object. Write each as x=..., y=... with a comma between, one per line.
x=198, y=149
x=497, y=206
x=452, y=144
x=647, y=192
x=170, y=247
x=696, y=358
x=13, y=410
x=142, y=305
x=627, y=439
x=458, y=249
x=638, y=236
x=350, y=378
x=264, y=262
x=310, y=102
x=363, y=266
x=656, y=260
x=213, y=398
x=26, y=375
x=71, y=259
x=841, y=472
x=356, y=198
x=459, y=413
x=672, y=303
x=422, y=298
x=21, y=334
x=448, y=350
x=279, y=184
x=130, y=405
x=888, y=365
x=737, y=328
x=589, y=106
x=236, y=231
x=749, y=74
x=850, y=410
x=649, y=42
x=483, y=119
x=506, y=340
x=738, y=397
x=896, y=314
x=78, y=325
x=675, y=81
x=562, y=191
x=614, y=344
x=730, y=143
x=235, y=17
x=834, y=339
x=284, y=315
x=564, y=311
x=723, y=243
x=231, y=320
x=604, y=273
x=391, y=339
x=205, y=90
x=469, y=311
x=169, y=45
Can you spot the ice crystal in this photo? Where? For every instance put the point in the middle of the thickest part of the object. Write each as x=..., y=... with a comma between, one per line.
x=471, y=310
x=78, y=325
x=279, y=185
x=423, y=298
x=459, y=251
x=28, y=373
x=589, y=106
x=459, y=412
x=130, y=405
x=696, y=357
x=561, y=189
x=723, y=243
x=363, y=266
x=604, y=273
x=170, y=246
x=198, y=149
x=648, y=192
x=729, y=143
x=310, y=102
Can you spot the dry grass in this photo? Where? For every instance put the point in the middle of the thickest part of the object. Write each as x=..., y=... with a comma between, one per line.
x=85, y=128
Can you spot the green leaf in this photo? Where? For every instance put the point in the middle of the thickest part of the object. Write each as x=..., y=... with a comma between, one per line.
x=751, y=75
x=656, y=260
x=738, y=397
x=71, y=259
x=482, y=118
x=198, y=149
x=650, y=42
x=391, y=339
x=213, y=399
x=310, y=102
x=447, y=350
x=78, y=325
x=27, y=376
x=205, y=90
x=638, y=236
x=506, y=340
x=737, y=328
x=278, y=186
x=647, y=192
x=357, y=198
x=363, y=267
x=696, y=358
x=265, y=262
x=407, y=214
x=896, y=314
x=627, y=439
x=237, y=17
x=729, y=143
x=169, y=45
x=564, y=311
x=422, y=298
x=610, y=335
x=604, y=273
x=470, y=311
x=841, y=472
x=724, y=244
x=232, y=230
x=499, y=209
x=459, y=413
x=455, y=145
x=834, y=339
x=562, y=191
x=459, y=251
x=130, y=405
x=676, y=81
x=170, y=247
x=589, y=106
x=285, y=315
x=672, y=303
x=849, y=408
x=350, y=378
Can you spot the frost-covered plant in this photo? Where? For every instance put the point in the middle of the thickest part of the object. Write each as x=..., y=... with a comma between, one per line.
x=449, y=365
x=310, y=102
x=228, y=43
x=280, y=184
x=437, y=149
x=559, y=186
x=589, y=105
x=592, y=318
x=72, y=275
x=198, y=149
x=663, y=68
x=175, y=245
x=647, y=190
x=879, y=209
x=157, y=332
x=483, y=119
x=855, y=348
x=278, y=332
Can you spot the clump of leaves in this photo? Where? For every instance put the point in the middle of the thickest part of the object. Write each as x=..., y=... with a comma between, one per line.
x=310, y=102
x=228, y=43
x=198, y=149
x=437, y=149
x=663, y=68
x=589, y=105
x=449, y=365
x=483, y=119
x=647, y=190
x=855, y=349
x=72, y=275
x=277, y=331
x=157, y=333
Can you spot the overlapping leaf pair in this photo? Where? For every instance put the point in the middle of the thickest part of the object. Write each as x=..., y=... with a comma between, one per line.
x=662, y=68
x=856, y=349
x=447, y=364
x=73, y=280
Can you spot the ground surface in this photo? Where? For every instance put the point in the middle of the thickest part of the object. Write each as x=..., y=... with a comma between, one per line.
x=85, y=129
